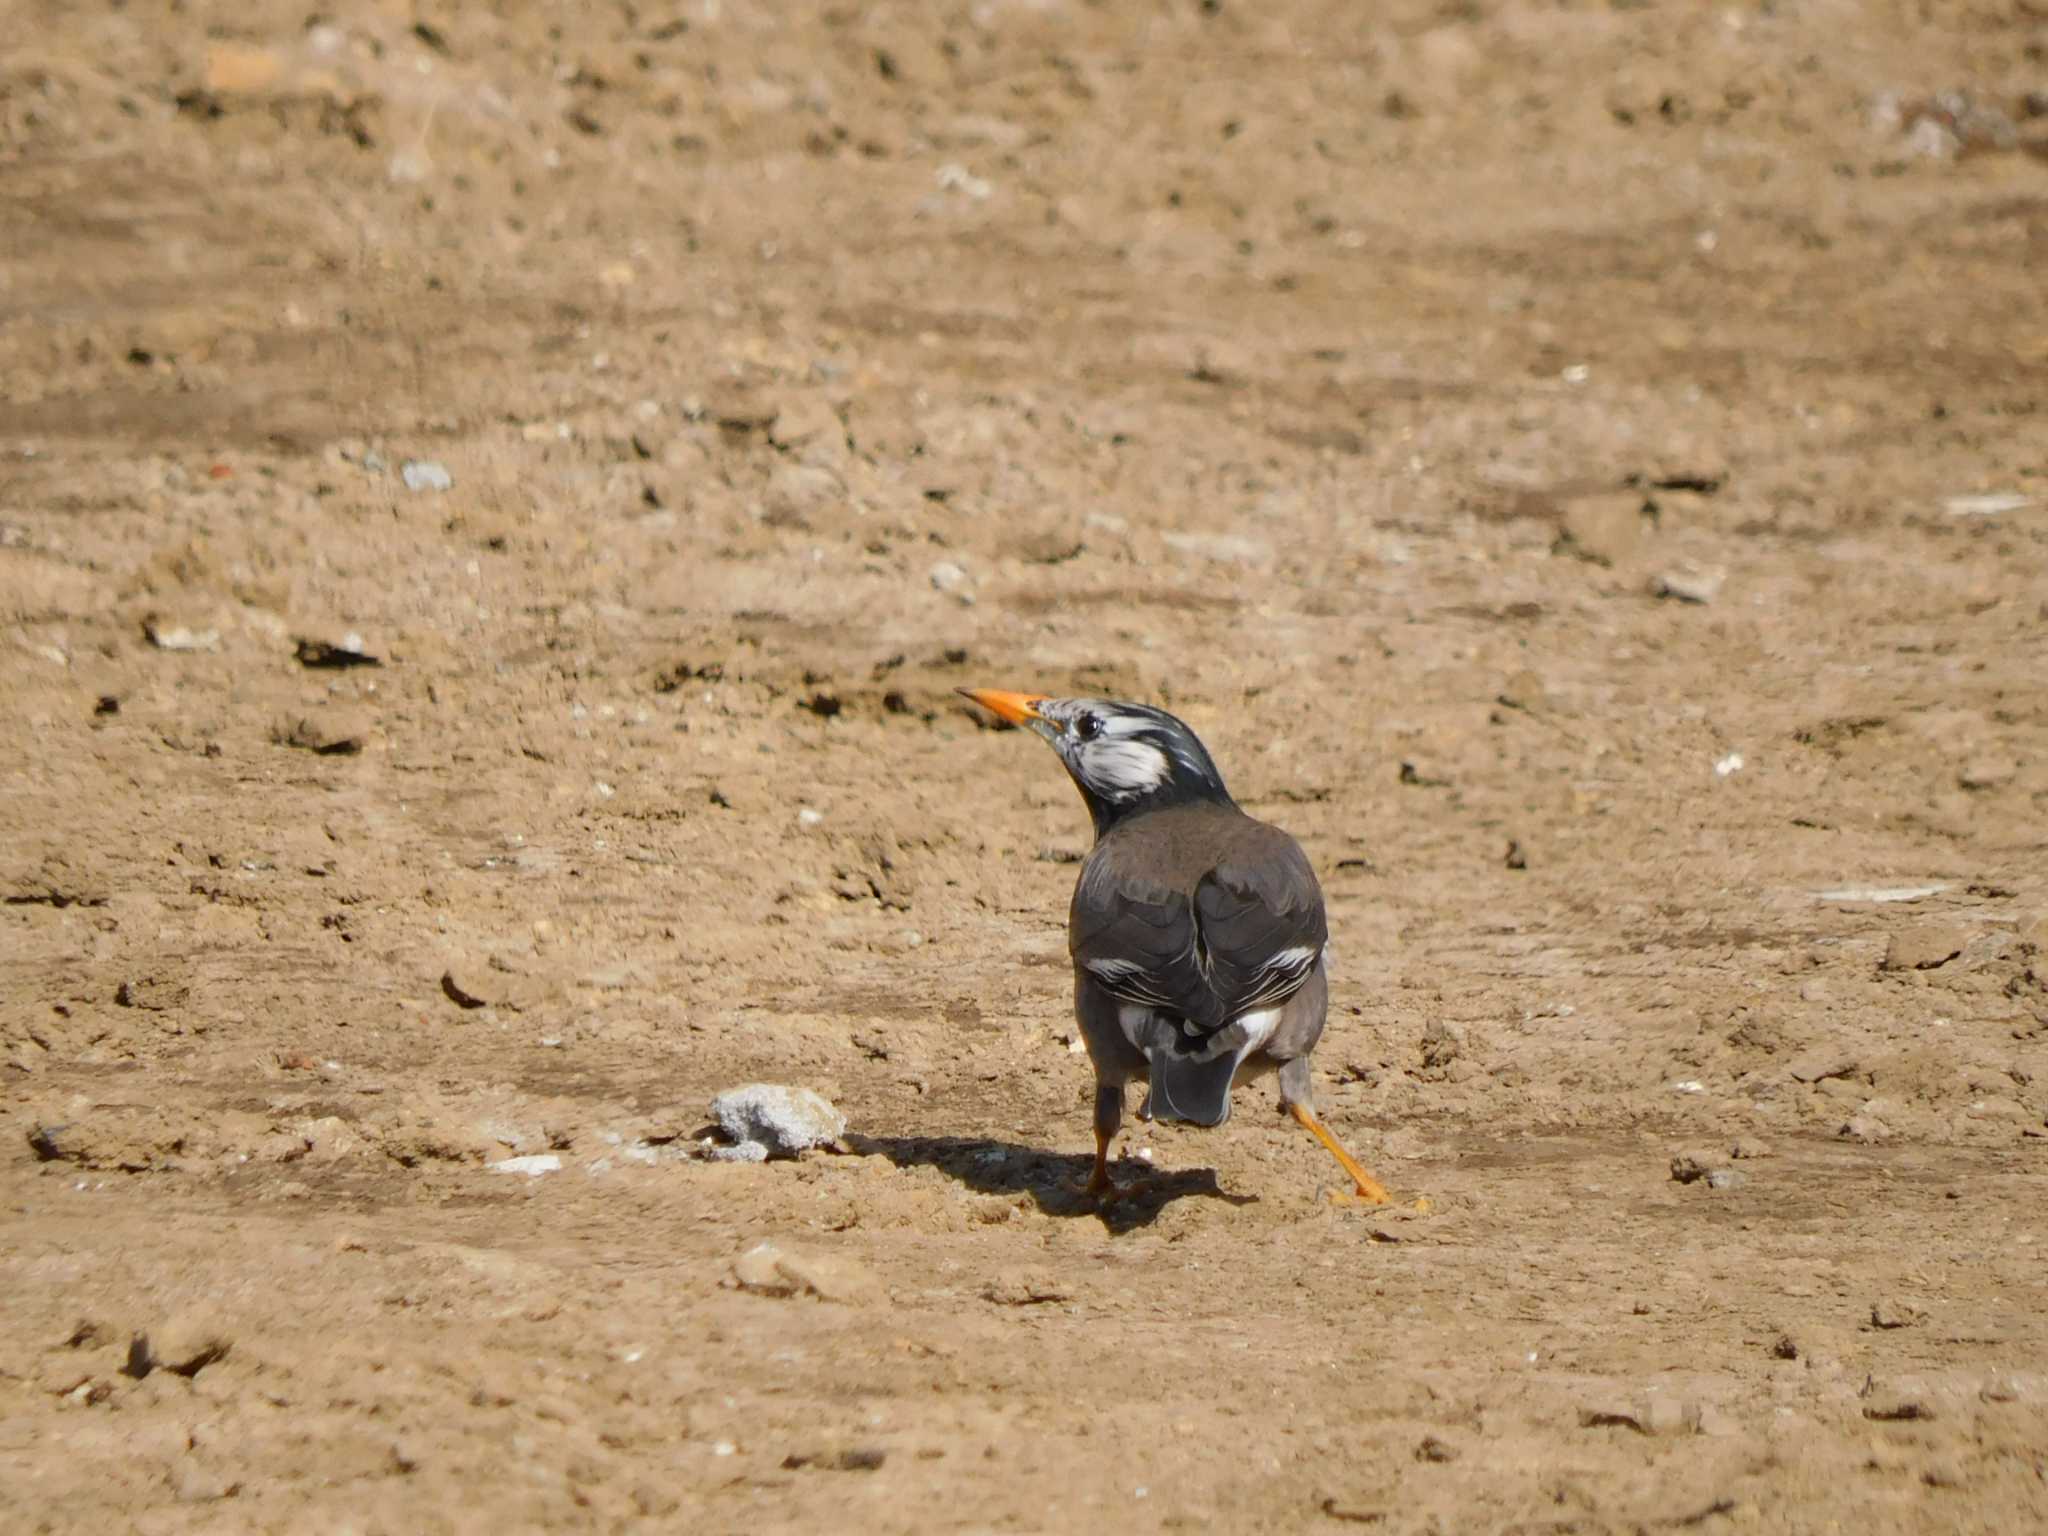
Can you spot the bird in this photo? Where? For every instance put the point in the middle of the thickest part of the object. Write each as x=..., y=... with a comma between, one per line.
x=1197, y=932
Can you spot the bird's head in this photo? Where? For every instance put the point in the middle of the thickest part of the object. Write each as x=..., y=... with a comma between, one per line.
x=1124, y=757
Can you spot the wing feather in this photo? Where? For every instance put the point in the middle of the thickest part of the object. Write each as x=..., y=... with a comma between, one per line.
x=1245, y=936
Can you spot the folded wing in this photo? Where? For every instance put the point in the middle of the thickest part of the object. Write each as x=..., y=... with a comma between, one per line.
x=1243, y=937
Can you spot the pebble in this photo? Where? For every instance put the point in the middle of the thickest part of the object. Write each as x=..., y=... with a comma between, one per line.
x=1652, y=1415
x=1688, y=1168
x=337, y=734
x=1982, y=773
x=1880, y=893
x=202, y=1485
x=423, y=475
x=1991, y=505
x=1669, y=1416
x=782, y=1121
x=179, y=637
x=532, y=1166
x=1932, y=140
x=183, y=1344
x=1892, y=1407
x=1222, y=548
x=1890, y=1312
x=1817, y=1066
x=1926, y=946
x=953, y=177
x=1689, y=583
x=1727, y=1178
x=238, y=69
x=804, y=421
x=768, y=1270
x=795, y=492
x=947, y=576
x=1603, y=529
x=1435, y=1449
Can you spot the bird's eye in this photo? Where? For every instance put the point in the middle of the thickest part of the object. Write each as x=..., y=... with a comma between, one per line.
x=1088, y=727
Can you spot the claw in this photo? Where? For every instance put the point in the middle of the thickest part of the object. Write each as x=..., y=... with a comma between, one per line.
x=1351, y=1198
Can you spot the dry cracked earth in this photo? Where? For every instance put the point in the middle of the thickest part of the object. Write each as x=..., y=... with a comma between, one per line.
x=1581, y=466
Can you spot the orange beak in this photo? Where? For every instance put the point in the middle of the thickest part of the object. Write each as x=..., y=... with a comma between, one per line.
x=1017, y=708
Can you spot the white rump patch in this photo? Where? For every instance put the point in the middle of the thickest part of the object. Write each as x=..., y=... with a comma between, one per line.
x=1258, y=1028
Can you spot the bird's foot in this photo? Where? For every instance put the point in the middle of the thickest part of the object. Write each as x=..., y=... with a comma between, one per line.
x=1105, y=1191
x=1377, y=1198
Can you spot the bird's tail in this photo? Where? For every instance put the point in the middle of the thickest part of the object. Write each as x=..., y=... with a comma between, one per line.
x=1191, y=1088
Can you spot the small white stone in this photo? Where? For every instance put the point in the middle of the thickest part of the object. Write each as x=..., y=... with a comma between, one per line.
x=808, y=817
x=1881, y=893
x=1689, y=1085
x=425, y=475
x=177, y=637
x=532, y=1166
x=1986, y=506
x=1724, y=766
x=1577, y=373
x=957, y=178
x=605, y=790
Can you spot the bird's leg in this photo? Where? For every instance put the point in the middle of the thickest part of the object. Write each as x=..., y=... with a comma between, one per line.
x=1099, y=1182
x=1370, y=1189
x=1109, y=1119
x=1299, y=1101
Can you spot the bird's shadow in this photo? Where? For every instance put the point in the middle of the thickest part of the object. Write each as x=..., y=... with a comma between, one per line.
x=1053, y=1180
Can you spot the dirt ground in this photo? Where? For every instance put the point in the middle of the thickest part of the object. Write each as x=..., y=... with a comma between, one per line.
x=1582, y=466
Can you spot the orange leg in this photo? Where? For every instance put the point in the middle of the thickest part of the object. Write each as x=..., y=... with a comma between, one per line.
x=1109, y=1119
x=1100, y=1185
x=1099, y=1181
x=1370, y=1189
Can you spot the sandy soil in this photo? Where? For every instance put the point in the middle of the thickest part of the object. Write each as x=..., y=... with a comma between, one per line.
x=1376, y=386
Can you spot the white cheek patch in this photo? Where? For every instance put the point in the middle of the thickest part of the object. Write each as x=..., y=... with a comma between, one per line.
x=1120, y=767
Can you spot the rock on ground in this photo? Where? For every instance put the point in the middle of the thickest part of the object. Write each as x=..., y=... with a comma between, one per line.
x=779, y=1120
